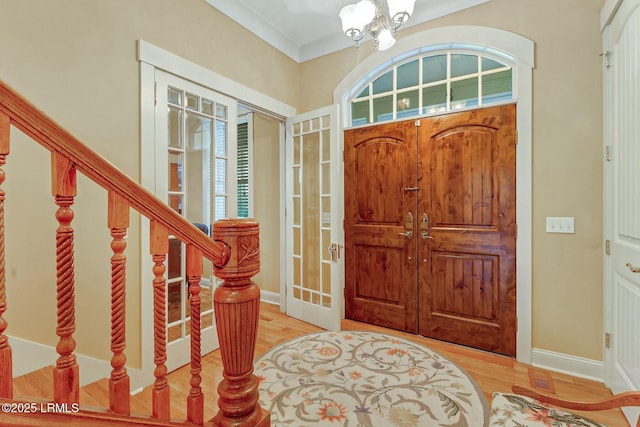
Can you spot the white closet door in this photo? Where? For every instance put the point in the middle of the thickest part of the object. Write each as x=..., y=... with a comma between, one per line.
x=622, y=198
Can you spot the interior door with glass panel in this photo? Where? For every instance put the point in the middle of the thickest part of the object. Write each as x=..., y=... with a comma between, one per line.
x=195, y=155
x=314, y=206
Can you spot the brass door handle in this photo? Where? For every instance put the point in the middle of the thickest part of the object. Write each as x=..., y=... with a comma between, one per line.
x=425, y=236
x=632, y=268
x=424, y=228
x=408, y=226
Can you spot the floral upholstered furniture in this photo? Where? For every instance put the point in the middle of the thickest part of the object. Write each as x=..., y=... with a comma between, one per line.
x=526, y=408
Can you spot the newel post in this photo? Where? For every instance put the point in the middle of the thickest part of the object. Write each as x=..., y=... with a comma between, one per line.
x=237, y=305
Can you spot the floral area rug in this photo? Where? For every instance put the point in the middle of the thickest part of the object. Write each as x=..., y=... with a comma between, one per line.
x=357, y=378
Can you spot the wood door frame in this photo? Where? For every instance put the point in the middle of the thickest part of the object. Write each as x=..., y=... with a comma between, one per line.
x=521, y=52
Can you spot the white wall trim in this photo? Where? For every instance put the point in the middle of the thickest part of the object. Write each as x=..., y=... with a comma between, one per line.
x=174, y=64
x=270, y=297
x=41, y=356
x=568, y=364
x=154, y=58
x=521, y=53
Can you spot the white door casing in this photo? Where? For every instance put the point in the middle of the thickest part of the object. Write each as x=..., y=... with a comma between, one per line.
x=621, y=41
x=314, y=212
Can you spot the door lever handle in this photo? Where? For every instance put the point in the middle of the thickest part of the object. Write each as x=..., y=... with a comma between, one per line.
x=424, y=228
x=632, y=268
x=408, y=226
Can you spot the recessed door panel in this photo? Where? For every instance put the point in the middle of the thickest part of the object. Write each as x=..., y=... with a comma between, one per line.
x=380, y=178
x=467, y=270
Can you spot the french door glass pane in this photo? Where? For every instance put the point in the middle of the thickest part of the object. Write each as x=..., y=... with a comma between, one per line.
x=175, y=127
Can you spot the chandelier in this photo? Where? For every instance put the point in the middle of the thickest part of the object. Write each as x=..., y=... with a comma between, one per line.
x=367, y=16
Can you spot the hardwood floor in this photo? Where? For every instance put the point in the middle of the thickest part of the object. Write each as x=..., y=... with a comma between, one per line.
x=491, y=372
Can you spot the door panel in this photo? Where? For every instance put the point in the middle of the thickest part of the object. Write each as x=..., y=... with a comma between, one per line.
x=380, y=178
x=467, y=195
x=314, y=232
x=451, y=181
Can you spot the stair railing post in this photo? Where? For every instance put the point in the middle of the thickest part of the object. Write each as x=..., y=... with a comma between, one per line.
x=161, y=394
x=119, y=383
x=65, y=374
x=6, y=362
x=195, y=400
x=237, y=305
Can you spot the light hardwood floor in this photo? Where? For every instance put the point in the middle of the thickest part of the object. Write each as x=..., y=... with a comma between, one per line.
x=491, y=372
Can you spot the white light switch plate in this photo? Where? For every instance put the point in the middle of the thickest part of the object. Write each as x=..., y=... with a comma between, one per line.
x=556, y=224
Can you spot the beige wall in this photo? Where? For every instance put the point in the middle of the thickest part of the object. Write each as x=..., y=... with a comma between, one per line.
x=567, y=161
x=266, y=198
x=76, y=60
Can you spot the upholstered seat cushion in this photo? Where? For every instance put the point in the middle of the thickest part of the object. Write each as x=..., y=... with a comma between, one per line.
x=513, y=410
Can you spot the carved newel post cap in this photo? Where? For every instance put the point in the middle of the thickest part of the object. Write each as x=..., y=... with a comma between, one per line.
x=242, y=236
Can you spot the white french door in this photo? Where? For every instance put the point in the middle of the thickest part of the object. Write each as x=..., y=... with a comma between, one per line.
x=314, y=214
x=622, y=198
x=195, y=165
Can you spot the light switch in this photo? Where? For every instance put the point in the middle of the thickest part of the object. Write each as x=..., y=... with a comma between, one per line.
x=556, y=224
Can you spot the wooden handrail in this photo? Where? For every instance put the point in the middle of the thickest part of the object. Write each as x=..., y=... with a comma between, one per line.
x=49, y=134
x=234, y=252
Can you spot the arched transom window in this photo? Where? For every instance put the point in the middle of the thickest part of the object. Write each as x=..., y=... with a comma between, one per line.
x=432, y=84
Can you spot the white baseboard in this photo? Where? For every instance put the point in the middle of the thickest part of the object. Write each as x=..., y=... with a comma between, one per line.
x=30, y=356
x=270, y=297
x=567, y=364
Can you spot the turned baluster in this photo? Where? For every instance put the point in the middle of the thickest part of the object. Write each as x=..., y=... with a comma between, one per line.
x=65, y=373
x=237, y=304
x=118, y=222
x=6, y=373
x=161, y=398
x=195, y=401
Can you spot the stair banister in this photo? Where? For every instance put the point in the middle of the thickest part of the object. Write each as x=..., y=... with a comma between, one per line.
x=234, y=252
x=45, y=131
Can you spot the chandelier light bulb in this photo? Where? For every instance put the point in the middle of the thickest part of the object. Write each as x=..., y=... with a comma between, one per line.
x=385, y=40
x=367, y=16
x=400, y=10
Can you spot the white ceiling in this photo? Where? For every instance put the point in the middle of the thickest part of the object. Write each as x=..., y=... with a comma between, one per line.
x=307, y=29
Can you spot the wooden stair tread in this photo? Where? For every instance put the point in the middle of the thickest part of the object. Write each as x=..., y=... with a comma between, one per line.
x=38, y=384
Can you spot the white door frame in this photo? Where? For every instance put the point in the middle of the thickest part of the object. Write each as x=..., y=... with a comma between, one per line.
x=151, y=58
x=522, y=50
x=614, y=17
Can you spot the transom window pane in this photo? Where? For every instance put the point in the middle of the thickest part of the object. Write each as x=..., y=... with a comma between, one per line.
x=434, y=68
x=462, y=65
x=431, y=84
x=383, y=84
x=408, y=75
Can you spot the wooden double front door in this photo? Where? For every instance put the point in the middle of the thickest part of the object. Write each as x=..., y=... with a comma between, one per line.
x=430, y=227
